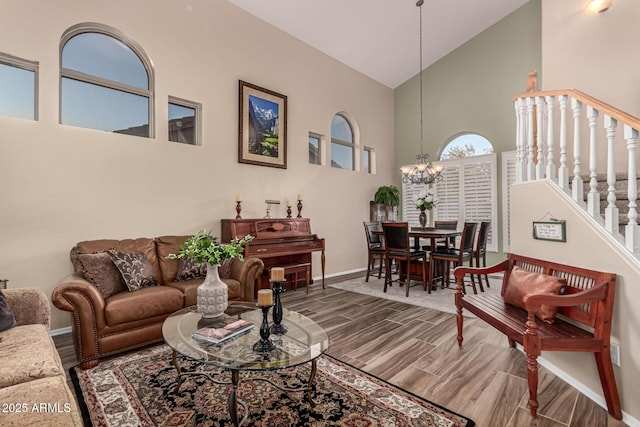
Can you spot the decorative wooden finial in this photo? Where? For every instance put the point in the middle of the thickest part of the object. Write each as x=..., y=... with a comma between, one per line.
x=532, y=81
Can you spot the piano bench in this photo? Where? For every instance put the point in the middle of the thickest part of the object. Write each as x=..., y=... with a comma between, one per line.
x=295, y=269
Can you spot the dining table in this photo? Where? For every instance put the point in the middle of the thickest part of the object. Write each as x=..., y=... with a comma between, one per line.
x=431, y=233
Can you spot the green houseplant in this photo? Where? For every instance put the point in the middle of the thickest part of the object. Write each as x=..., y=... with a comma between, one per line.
x=201, y=248
x=386, y=201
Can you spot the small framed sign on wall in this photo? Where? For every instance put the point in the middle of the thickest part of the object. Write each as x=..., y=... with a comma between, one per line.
x=555, y=231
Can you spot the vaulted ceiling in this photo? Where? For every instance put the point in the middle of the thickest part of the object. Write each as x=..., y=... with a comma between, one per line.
x=381, y=38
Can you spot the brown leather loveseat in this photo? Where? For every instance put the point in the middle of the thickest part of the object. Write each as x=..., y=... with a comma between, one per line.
x=110, y=317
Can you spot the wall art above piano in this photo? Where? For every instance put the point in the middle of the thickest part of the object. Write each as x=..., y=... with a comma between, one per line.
x=263, y=127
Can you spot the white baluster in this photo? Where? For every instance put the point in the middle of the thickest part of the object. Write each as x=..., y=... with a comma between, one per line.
x=551, y=167
x=611, y=221
x=522, y=108
x=519, y=143
x=563, y=171
x=576, y=183
x=530, y=164
x=593, y=198
x=632, y=230
x=540, y=140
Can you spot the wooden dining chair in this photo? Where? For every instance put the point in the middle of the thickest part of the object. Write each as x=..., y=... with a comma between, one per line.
x=375, y=247
x=398, y=248
x=480, y=251
x=456, y=256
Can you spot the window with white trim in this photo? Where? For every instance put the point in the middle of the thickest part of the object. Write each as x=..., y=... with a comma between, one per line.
x=184, y=121
x=18, y=87
x=315, y=148
x=508, y=178
x=467, y=192
x=106, y=81
x=342, y=143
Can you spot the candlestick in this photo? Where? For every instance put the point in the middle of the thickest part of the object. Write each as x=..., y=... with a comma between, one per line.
x=299, y=207
x=264, y=345
x=238, y=198
x=265, y=297
x=288, y=211
x=288, y=202
x=238, y=209
x=277, y=274
x=278, y=328
x=299, y=197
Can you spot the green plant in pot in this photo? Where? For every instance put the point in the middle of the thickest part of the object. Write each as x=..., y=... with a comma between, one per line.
x=389, y=197
x=203, y=248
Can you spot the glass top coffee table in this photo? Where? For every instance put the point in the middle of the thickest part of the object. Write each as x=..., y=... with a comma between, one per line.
x=303, y=342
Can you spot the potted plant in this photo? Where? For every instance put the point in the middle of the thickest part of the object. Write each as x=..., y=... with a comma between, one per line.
x=386, y=200
x=201, y=248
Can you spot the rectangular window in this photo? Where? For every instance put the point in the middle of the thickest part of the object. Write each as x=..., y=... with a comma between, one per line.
x=315, y=149
x=367, y=160
x=184, y=121
x=341, y=156
x=18, y=87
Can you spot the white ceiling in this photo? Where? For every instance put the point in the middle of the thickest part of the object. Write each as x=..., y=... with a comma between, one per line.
x=380, y=38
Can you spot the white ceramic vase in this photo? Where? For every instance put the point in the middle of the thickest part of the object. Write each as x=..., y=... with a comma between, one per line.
x=213, y=294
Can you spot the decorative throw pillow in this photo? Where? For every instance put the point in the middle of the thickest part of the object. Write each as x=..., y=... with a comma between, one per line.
x=7, y=319
x=522, y=282
x=224, y=270
x=102, y=273
x=135, y=268
x=188, y=269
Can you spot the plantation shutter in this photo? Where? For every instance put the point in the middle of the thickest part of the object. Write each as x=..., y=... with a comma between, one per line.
x=448, y=192
x=508, y=178
x=409, y=197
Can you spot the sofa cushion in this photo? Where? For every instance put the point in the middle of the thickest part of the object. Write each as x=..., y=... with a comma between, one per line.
x=27, y=353
x=102, y=273
x=54, y=402
x=522, y=282
x=190, y=290
x=189, y=269
x=135, y=269
x=165, y=246
x=145, y=303
x=7, y=319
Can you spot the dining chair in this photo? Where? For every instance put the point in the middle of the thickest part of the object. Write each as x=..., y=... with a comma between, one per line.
x=456, y=256
x=480, y=251
x=375, y=247
x=398, y=248
x=447, y=225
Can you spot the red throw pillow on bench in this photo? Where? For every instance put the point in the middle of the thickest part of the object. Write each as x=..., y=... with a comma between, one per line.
x=522, y=282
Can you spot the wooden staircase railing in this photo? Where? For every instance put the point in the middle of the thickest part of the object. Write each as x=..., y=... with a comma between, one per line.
x=549, y=143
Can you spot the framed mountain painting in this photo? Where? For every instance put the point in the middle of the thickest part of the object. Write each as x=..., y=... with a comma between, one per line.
x=263, y=127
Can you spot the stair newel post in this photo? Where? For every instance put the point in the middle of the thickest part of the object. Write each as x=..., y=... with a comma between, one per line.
x=611, y=221
x=521, y=131
x=632, y=230
x=593, y=198
x=530, y=140
x=551, y=167
x=577, y=185
x=563, y=171
x=540, y=140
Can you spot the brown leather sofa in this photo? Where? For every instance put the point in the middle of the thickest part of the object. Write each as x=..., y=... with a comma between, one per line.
x=108, y=320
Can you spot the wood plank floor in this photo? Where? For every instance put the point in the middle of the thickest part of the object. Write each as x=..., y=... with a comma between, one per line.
x=416, y=349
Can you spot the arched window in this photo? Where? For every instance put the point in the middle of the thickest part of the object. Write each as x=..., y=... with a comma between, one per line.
x=342, y=143
x=106, y=81
x=466, y=145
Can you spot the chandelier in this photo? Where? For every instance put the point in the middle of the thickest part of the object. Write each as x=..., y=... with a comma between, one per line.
x=423, y=172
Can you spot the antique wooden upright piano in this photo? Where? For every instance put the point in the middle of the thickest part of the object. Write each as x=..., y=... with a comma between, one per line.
x=277, y=241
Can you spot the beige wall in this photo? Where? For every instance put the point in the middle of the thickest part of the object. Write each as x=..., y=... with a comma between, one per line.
x=62, y=184
x=589, y=247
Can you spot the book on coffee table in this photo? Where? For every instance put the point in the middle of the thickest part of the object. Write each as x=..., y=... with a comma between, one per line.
x=222, y=331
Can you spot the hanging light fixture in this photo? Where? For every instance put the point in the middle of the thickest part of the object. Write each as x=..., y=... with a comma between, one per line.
x=423, y=172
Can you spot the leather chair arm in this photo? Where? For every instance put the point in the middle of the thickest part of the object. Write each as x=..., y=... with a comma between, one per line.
x=247, y=271
x=75, y=294
x=30, y=306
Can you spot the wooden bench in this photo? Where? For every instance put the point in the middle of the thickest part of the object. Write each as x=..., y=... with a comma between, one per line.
x=587, y=300
x=295, y=269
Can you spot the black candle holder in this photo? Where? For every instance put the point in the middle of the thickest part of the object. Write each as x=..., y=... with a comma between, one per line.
x=277, y=328
x=264, y=345
x=238, y=209
x=299, y=209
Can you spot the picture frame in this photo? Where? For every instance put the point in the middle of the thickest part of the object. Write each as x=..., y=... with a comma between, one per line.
x=262, y=135
x=555, y=231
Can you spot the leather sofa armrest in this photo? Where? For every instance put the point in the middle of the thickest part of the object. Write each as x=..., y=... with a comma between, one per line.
x=76, y=295
x=30, y=306
x=247, y=271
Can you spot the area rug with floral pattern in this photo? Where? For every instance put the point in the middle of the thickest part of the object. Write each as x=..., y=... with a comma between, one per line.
x=137, y=389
